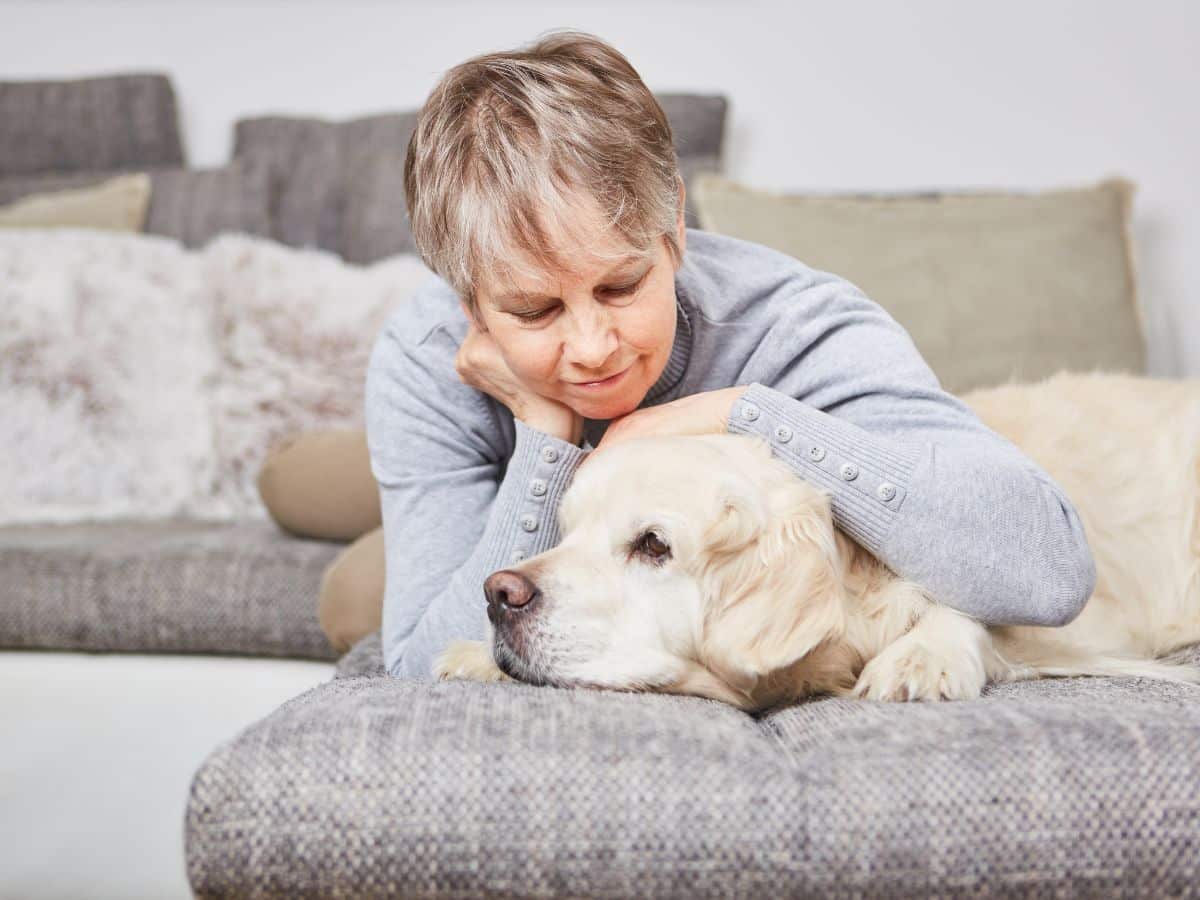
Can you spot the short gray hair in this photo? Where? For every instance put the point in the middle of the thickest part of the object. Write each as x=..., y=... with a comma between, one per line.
x=507, y=138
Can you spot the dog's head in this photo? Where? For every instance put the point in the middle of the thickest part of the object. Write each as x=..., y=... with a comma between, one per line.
x=692, y=564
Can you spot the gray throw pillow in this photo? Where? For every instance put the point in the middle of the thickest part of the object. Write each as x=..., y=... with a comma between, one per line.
x=339, y=185
x=105, y=124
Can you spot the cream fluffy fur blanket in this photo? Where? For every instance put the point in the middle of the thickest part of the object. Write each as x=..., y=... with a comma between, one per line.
x=140, y=379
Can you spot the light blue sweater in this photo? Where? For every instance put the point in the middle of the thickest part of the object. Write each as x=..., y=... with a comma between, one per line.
x=836, y=386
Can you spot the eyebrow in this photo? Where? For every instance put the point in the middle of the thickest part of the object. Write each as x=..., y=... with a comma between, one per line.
x=521, y=295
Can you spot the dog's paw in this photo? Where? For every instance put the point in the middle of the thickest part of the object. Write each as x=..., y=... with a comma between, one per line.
x=469, y=660
x=911, y=669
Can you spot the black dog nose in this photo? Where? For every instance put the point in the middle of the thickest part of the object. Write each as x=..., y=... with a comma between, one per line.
x=508, y=590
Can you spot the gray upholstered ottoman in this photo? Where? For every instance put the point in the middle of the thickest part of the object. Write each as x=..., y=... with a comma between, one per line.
x=370, y=785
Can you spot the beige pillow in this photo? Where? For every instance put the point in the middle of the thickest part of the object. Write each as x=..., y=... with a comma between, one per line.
x=990, y=286
x=350, y=604
x=118, y=204
x=319, y=484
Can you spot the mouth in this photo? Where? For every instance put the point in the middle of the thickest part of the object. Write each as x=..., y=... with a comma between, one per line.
x=510, y=664
x=603, y=383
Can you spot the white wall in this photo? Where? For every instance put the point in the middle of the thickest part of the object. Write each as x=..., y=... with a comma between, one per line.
x=1024, y=94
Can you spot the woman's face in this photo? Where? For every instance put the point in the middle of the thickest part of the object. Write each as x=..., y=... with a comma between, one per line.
x=609, y=316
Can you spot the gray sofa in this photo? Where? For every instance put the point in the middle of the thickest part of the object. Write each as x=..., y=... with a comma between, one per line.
x=369, y=785
x=372, y=786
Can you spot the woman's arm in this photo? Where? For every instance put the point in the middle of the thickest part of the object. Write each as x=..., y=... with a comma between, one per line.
x=844, y=397
x=454, y=509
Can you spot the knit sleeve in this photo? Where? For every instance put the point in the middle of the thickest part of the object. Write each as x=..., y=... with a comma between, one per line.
x=843, y=396
x=454, y=510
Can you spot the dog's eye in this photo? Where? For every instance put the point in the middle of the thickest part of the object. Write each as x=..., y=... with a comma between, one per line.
x=651, y=545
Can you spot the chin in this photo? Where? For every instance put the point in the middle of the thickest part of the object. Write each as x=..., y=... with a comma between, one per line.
x=611, y=408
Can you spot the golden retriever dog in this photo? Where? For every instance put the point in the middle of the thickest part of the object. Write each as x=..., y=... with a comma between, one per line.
x=703, y=565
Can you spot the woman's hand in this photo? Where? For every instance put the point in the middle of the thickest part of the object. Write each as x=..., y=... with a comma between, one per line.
x=480, y=364
x=704, y=413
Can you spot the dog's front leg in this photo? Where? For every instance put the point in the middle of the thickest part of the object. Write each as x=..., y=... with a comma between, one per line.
x=942, y=657
x=469, y=660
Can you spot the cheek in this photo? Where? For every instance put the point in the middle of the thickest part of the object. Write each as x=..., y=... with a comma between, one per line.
x=657, y=329
x=532, y=360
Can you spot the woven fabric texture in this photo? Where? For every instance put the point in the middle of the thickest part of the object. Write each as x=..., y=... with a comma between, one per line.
x=106, y=123
x=364, y=658
x=370, y=786
x=170, y=586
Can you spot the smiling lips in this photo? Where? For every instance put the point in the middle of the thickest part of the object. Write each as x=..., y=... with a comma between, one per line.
x=601, y=382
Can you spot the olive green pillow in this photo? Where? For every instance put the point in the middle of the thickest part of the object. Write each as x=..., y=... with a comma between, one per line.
x=991, y=286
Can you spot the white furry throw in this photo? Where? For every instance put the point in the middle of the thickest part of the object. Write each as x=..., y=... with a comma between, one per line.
x=295, y=329
x=139, y=379
x=105, y=348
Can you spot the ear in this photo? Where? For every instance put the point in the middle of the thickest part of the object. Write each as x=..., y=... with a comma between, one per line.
x=772, y=582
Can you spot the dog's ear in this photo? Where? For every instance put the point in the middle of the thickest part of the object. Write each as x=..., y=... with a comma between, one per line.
x=772, y=582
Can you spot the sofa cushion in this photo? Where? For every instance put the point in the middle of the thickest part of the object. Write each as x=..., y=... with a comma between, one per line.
x=172, y=586
x=116, y=204
x=190, y=205
x=339, y=185
x=990, y=286
x=1060, y=787
x=103, y=123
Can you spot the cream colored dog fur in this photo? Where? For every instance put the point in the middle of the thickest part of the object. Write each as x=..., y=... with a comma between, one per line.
x=702, y=565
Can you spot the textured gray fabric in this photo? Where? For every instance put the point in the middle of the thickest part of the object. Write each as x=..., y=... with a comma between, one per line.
x=377, y=786
x=340, y=185
x=105, y=123
x=190, y=205
x=163, y=587
x=195, y=205
x=335, y=185
x=364, y=658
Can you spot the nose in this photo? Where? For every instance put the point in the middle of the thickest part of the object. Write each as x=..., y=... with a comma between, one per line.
x=594, y=344
x=509, y=593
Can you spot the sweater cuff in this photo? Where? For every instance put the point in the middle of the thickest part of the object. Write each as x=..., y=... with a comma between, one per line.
x=867, y=475
x=539, y=472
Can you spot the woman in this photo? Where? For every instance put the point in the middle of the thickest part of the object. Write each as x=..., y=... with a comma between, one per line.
x=575, y=309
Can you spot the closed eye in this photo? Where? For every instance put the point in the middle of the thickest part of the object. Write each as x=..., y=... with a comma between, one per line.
x=618, y=291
